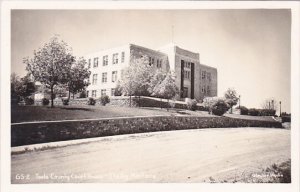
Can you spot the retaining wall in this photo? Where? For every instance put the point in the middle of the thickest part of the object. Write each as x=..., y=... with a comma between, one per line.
x=32, y=133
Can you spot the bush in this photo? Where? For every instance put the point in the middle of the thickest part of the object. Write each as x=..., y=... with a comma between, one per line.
x=253, y=112
x=29, y=101
x=91, y=101
x=285, y=119
x=104, y=99
x=172, y=103
x=65, y=101
x=45, y=101
x=191, y=105
x=82, y=94
x=267, y=112
x=244, y=110
x=219, y=108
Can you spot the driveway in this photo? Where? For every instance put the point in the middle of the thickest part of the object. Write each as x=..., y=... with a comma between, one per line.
x=173, y=156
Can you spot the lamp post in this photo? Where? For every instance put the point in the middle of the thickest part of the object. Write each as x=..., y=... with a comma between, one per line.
x=279, y=108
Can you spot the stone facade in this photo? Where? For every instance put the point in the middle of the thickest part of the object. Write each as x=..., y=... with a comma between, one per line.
x=32, y=133
x=194, y=79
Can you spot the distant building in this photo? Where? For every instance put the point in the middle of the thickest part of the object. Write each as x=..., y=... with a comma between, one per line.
x=193, y=79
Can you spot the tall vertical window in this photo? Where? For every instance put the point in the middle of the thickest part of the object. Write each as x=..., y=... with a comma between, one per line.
x=114, y=76
x=203, y=74
x=105, y=60
x=103, y=92
x=123, y=57
x=95, y=76
x=94, y=93
x=113, y=92
x=104, y=77
x=89, y=63
x=208, y=90
x=87, y=93
x=209, y=76
x=187, y=74
x=149, y=60
x=96, y=62
x=115, y=58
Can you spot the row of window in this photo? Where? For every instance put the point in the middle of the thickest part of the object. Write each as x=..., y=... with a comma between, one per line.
x=114, y=77
x=187, y=64
x=205, y=89
x=187, y=74
x=158, y=62
x=115, y=60
x=206, y=75
x=103, y=92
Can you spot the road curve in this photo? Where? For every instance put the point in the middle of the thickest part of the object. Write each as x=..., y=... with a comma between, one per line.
x=173, y=156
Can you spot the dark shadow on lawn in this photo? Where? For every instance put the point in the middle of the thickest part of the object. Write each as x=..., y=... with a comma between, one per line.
x=76, y=108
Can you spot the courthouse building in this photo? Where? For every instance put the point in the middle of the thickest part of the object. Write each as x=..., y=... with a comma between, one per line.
x=193, y=79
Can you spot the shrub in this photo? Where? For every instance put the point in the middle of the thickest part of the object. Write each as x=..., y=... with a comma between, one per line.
x=219, y=108
x=267, y=112
x=244, y=110
x=191, y=104
x=29, y=101
x=285, y=119
x=45, y=101
x=82, y=94
x=91, y=101
x=65, y=101
x=104, y=99
x=253, y=112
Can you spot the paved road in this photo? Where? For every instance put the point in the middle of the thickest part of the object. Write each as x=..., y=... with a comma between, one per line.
x=174, y=156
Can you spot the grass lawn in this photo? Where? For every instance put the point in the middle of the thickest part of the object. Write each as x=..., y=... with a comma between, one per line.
x=46, y=113
x=249, y=117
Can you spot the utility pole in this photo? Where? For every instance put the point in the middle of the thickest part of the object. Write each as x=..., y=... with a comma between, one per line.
x=172, y=33
x=279, y=108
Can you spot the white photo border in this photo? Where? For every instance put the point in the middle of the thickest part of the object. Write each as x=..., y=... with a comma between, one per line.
x=5, y=156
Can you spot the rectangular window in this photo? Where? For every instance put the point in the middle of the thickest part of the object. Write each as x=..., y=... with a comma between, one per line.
x=103, y=92
x=87, y=93
x=150, y=61
x=114, y=76
x=115, y=58
x=94, y=93
x=187, y=74
x=104, y=77
x=203, y=74
x=209, y=76
x=95, y=76
x=208, y=89
x=89, y=63
x=160, y=63
x=96, y=62
x=105, y=60
x=123, y=57
x=112, y=92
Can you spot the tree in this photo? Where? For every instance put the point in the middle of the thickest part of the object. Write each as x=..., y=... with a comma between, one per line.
x=51, y=64
x=136, y=77
x=156, y=79
x=208, y=102
x=231, y=98
x=78, y=76
x=270, y=103
x=21, y=87
x=167, y=89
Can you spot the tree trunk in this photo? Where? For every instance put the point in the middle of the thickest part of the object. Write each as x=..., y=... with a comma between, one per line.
x=69, y=95
x=168, y=105
x=139, y=101
x=161, y=103
x=73, y=95
x=51, y=96
x=129, y=100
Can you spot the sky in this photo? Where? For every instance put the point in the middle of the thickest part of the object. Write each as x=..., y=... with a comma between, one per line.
x=249, y=47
